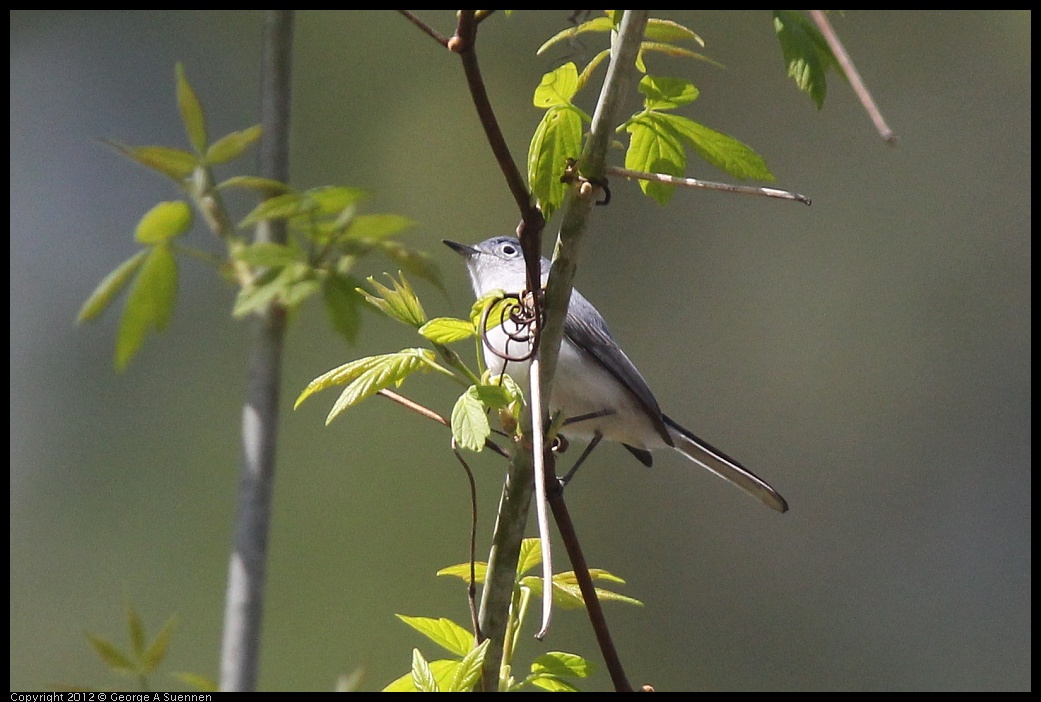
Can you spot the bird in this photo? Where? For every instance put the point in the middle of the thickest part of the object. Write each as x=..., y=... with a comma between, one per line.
x=596, y=387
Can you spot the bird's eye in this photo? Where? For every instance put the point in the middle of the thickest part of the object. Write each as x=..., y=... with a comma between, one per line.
x=509, y=249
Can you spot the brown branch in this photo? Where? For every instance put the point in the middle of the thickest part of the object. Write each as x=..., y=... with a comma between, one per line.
x=430, y=31
x=835, y=44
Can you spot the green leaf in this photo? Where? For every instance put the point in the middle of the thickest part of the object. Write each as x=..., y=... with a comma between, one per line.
x=149, y=304
x=199, y=682
x=191, y=112
x=557, y=138
x=415, y=262
x=230, y=146
x=422, y=677
x=665, y=93
x=289, y=285
x=551, y=683
x=110, y=655
x=137, y=632
x=283, y=206
x=675, y=51
x=722, y=151
x=443, y=670
x=267, y=254
x=399, y=303
x=470, y=427
x=669, y=31
x=530, y=555
x=332, y=200
x=163, y=222
x=806, y=54
x=462, y=571
x=156, y=650
x=111, y=286
x=655, y=147
x=446, y=330
x=444, y=632
x=377, y=226
x=597, y=24
x=368, y=376
x=562, y=664
x=267, y=186
x=173, y=163
x=342, y=305
x=469, y=672
x=557, y=87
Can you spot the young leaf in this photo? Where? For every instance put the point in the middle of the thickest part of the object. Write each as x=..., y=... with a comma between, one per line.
x=655, y=148
x=230, y=146
x=446, y=330
x=562, y=664
x=137, y=632
x=111, y=286
x=597, y=24
x=444, y=632
x=110, y=655
x=530, y=555
x=172, y=163
x=665, y=93
x=267, y=186
x=191, y=112
x=199, y=682
x=557, y=139
x=443, y=671
x=462, y=571
x=551, y=683
x=156, y=651
x=267, y=254
x=469, y=671
x=470, y=427
x=399, y=303
x=557, y=87
x=380, y=372
x=722, y=151
x=282, y=206
x=806, y=53
x=342, y=303
x=164, y=222
x=422, y=677
x=670, y=32
x=149, y=304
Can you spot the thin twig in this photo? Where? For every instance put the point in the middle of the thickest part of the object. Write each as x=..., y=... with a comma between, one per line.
x=835, y=44
x=709, y=185
x=539, y=461
x=430, y=31
x=431, y=414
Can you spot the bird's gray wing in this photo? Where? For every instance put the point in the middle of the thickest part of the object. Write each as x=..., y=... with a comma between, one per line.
x=585, y=328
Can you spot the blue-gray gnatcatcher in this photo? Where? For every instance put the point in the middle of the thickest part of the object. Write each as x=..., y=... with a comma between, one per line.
x=595, y=381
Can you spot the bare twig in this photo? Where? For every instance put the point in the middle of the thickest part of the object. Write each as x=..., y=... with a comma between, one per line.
x=709, y=185
x=431, y=414
x=835, y=44
x=430, y=31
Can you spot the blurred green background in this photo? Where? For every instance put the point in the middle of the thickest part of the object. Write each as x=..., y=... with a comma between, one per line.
x=869, y=356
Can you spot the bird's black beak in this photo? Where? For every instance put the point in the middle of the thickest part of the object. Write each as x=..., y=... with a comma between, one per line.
x=461, y=249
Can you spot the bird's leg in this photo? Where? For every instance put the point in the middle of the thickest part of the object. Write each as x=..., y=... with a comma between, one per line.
x=585, y=454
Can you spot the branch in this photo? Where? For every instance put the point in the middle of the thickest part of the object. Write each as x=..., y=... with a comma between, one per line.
x=709, y=185
x=854, y=76
x=240, y=648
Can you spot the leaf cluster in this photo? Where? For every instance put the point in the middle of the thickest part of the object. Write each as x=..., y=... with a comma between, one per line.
x=658, y=137
x=555, y=671
x=326, y=237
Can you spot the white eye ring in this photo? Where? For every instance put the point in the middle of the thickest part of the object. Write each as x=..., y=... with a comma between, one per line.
x=509, y=250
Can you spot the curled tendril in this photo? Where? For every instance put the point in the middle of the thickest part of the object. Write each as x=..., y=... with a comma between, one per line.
x=524, y=329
